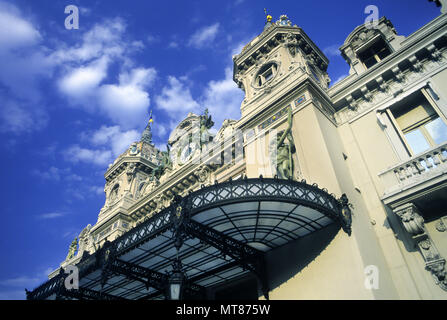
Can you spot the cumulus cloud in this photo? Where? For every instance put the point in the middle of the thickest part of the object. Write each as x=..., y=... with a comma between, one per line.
x=102, y=146
x=80, y=83
x=81, y=71
x=99, y=157
x=115, y=138
x=14, y=30
x=176, y=98
x=126, y=103
x=17, y=117
x=223, y=99
x=83, y=83
x=56, y=174
x=22, y=64
x=204, y=36
x=104, y=39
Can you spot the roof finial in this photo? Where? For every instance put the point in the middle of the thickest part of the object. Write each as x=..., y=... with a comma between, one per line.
x=147, y=133
x=267, y=16
x=268, y=23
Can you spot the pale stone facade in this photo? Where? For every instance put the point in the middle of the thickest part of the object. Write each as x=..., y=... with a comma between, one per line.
x=352, y=138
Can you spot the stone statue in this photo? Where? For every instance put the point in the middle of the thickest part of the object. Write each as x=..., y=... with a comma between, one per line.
x=281, y=153
x=205, y=123
x=72, y=249
x=165, y=163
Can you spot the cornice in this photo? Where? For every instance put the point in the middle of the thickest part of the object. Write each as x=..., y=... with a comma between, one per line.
x=412, y=44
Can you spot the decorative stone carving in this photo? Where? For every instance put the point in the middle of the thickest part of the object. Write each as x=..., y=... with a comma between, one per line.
x=406, y=79
x=281, y=153
x=165, y=164
x=205, y=123
x=130, y=171
x=84, y=239
x=435, y=53
x=352, y=104
x=363, y=37
x=400, y=76
x=416, y=64
x=203, y=174
x=413, y=223
x=440, y=225
x=291, y=43
x=383, y=86
x=72, y=249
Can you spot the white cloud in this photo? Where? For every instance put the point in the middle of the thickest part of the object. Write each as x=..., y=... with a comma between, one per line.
x=16, y=117
x=15, y=31
x=204, y=36
x=113, y=138
x=99, y=157
x=82, y=82
x=51, y=215
x=22, y=64
x=52, y=173
x=173, y=45
x=57, y=174
x=99, y=190
x=102, y=146
x=104, y=39
x=152, y=39
x=223, y=99
x=127, y=102
x=332, y=51
x=176, y=99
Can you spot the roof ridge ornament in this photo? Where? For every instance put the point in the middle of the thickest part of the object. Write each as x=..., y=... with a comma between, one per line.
x=147, y=133
x=268, y=22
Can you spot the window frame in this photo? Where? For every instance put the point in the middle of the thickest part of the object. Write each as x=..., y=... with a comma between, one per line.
x=424, y=131
x=368, y=47
x=269, y=70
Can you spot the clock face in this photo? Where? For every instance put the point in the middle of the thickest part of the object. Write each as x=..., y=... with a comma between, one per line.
x=187, y=152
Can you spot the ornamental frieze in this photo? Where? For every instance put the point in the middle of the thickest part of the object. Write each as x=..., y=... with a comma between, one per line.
x=388, y=89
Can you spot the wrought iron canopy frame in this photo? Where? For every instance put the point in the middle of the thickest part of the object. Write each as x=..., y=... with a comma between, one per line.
x=178, y=221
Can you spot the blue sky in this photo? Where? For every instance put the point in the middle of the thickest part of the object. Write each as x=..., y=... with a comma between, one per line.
x=72, y=100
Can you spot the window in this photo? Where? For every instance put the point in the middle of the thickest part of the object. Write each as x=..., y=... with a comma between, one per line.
x=375, y=53
x=265, y=74
x=419, y=123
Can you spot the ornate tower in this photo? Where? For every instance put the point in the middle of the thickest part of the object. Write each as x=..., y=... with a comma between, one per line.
x=275, y=63
x=284, y=77
x=128, y=179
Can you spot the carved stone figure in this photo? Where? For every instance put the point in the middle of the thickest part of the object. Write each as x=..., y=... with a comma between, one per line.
x=205, y=123
x=165, y=163
x=72, y=249
x=281, y=154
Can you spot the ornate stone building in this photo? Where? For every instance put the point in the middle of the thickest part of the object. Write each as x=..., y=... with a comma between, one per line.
x=261, y=209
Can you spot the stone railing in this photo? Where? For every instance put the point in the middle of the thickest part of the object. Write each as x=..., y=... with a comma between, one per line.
x=417, y=169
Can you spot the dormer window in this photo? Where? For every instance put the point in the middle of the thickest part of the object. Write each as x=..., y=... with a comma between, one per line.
x=265, y=74
x=375, y=53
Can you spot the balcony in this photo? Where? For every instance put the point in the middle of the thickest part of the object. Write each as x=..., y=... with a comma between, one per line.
x=417, y=176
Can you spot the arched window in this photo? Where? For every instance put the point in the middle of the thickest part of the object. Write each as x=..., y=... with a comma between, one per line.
x=265, y=74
